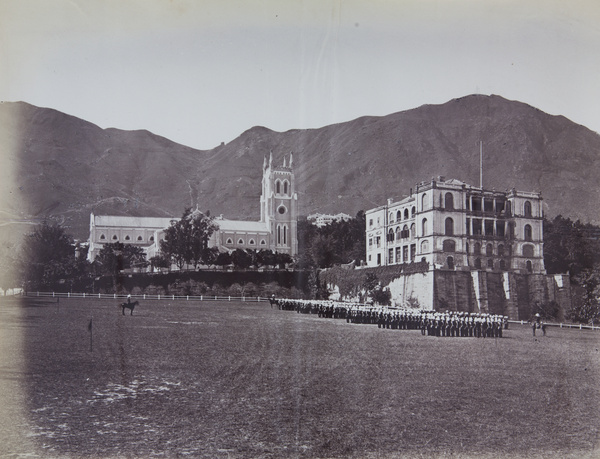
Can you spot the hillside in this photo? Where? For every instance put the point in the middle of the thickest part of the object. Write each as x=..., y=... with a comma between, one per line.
x=61, y=166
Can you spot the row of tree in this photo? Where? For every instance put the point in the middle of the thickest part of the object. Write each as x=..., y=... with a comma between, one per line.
x=47, y=256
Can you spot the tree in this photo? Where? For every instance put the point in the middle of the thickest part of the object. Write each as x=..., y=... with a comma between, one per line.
x=159, y=261
x=586, y=307
x=116, y=256
x=47, y=257
x=186, y=240
x=241, y=259
x=223, y=259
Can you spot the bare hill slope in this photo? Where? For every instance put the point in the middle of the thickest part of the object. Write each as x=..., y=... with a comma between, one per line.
x=67, y=167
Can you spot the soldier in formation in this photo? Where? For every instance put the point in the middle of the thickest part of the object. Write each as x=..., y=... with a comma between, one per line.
x=430, y=323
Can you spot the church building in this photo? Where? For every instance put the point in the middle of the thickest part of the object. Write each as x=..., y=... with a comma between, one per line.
x=276, y=230
x=456, y=226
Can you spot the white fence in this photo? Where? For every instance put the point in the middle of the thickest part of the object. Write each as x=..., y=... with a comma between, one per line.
x=249, y=299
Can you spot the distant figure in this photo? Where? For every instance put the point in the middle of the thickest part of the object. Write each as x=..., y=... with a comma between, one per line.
x=129, y=305
x=536, y=322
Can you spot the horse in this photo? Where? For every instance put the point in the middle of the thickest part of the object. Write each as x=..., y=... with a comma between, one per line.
x=274, y=301
x=128, y=306
x=538, y=325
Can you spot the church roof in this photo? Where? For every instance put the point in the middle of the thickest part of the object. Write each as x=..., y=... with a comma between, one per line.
x=133, y=222
x=241, y=226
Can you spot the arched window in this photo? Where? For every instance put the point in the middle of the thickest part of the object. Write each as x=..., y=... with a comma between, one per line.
x=413, y=211
x=240, y=241
x=263, y=242
x=278, y=234
x=151, y=238
x=449, y=245
x=229, y=241
x=529, y=266
x=405, y=214
x=449, y=226
x=139, y=238
x=424, y=202
x=391, y=220
x=405, y=233
x=278, y=187
x=102, y=237
x=412, y=231
x=284, y=234
x=285, y=187
x=251, y=242
x=398, y=233
x=398, y=216
x=477, y=263
x=449, y=201
x=500, y=250
x=528, y=232
x=424, y=227
x=127, y=238
x=424, y=246
x=528, y=251
x=391, y=235
x=115, y=238
x=450, y=262
x=503, y=265
x=489, y=250
x=527, y=209
x=490, y=263
x=477, y=248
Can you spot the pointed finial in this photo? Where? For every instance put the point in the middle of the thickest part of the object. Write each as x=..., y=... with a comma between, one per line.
x=284, y=162
x=265, y=162
x=270, y=157
x=291, y=159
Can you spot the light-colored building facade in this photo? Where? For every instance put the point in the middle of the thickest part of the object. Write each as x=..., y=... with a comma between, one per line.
x=321, y=220
x=456, y=226
x=276, y=230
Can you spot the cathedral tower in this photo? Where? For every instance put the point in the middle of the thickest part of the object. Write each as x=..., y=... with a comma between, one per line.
x=279, y=205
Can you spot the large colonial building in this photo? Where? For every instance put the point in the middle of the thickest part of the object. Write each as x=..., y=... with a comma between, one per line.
x=276, y=230
x=456, y=226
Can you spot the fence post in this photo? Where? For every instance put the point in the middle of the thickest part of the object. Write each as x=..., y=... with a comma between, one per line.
x=99, y=295
x=187, y=298
x=561, y=325
x=243, y=298
x=158, y=297
x=580, y=326
x=173, y=296
x=114, y=295
x=68, y=294
x=52, y=294
x=201, y=297
x=229, y=297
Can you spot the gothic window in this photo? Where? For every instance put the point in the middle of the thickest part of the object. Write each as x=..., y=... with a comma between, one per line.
x=424, y=203
x=490, y=263
x=240, y=241
x=398, y=216
x=405, y=214
x=450, y=262
x=528, y=232
x=229, y=241
x=263, y=242
x=529, y=266
x=449, y=245
x=527, y=209
x=251, y=242
x=278, y=234
x=489, y=250
x=424, y=227
x=424, y=246
x=139, y=238
x=115, y=238
x=278, y=187
x=284, y=234
x=102, y=237
x=285, y=187
x=449, y=201
x=151, y=238
x=528, y=251
x=449, y=227
x=127, y=238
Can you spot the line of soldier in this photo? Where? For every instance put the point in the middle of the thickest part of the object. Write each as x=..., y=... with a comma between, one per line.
x=431, y=323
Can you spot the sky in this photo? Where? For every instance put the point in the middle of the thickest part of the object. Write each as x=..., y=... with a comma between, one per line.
x=201, y=72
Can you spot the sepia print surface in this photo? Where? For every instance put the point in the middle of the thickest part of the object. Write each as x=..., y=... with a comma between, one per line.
x=395, y=213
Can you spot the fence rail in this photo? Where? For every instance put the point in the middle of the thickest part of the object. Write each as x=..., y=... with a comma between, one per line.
x=115, y=296
x=247, y=299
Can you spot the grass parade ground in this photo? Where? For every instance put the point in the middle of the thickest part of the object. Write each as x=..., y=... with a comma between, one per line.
x=233, y=379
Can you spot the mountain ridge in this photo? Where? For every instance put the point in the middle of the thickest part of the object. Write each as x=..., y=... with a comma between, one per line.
x=64, y=167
